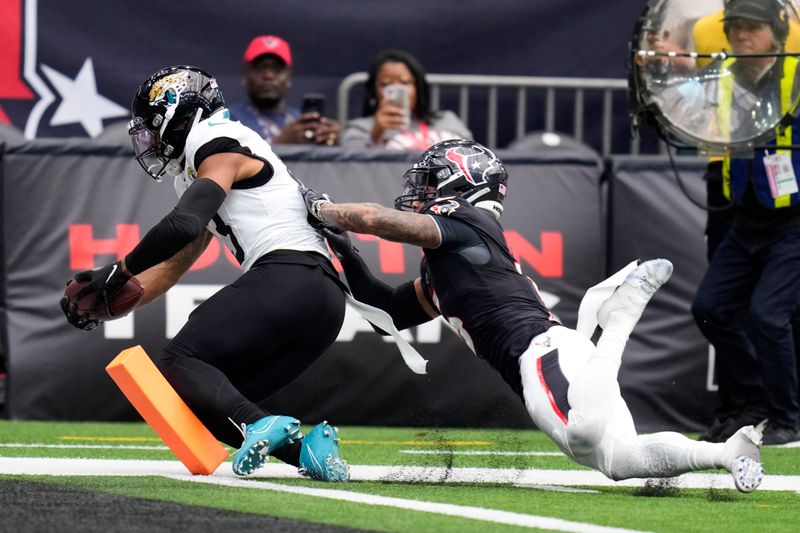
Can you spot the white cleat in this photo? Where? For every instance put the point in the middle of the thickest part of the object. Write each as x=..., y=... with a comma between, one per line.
x=746, y=467
x=747, y=474
x=630, y=298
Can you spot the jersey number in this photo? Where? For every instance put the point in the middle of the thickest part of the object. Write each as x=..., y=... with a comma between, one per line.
x=225, y=231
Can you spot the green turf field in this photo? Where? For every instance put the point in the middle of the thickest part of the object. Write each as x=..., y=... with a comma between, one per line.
x=410, y=479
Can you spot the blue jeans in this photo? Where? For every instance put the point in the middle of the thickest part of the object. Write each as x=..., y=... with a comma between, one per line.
x=759, y=274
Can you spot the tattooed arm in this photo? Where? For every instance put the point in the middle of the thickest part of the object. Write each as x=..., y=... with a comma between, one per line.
x=159, y=279
x=389, y=224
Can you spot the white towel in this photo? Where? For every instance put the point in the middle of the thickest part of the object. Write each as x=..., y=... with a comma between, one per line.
x=381, y=319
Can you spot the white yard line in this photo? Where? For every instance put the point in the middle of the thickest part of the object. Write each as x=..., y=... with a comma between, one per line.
x=460, y=511
x=400, y=474
x=481, y=452
x=406, y=474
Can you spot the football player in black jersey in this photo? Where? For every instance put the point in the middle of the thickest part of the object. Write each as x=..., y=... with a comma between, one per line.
x=244, y=343
x=569, y=385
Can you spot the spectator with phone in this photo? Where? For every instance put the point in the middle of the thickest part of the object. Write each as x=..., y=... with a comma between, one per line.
x=267, y=78
x=397, y=112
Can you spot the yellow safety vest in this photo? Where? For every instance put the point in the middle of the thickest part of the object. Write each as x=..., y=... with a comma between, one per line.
x=734, y=188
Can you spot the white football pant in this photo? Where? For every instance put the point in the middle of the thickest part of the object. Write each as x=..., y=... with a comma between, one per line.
x=572, y=394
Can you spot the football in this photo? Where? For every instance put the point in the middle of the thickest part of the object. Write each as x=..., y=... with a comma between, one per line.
x=123, y=303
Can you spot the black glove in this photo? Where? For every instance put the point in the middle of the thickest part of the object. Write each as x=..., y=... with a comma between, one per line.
x=78, y=320
x=340, y=243
x=313, y=201
x=105, y=282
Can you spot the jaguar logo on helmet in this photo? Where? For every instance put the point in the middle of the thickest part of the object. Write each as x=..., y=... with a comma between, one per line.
x=168, y=87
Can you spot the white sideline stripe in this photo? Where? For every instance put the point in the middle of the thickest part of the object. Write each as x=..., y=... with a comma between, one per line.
x=83, y=446
x=401, y=474
x=481, y=452
x=409, y=452
x=460, y=511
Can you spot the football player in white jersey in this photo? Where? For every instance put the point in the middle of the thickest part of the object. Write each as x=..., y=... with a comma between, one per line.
x=244, y=343
x=568, y=384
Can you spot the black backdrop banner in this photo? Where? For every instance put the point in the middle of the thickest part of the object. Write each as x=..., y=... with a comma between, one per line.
x=69, y=72
x=667, y=369
x=69, y=206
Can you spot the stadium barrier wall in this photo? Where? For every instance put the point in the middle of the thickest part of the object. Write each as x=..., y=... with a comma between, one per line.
x=70, y=205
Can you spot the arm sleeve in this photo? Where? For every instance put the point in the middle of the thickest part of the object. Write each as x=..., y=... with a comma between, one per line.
x=400, y=302
x=179, y=228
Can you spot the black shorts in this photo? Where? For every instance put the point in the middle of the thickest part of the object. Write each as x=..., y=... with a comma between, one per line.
x=264, y=329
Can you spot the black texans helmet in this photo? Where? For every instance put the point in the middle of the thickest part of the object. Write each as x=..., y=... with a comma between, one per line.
x=456, y=168
x=164, y=109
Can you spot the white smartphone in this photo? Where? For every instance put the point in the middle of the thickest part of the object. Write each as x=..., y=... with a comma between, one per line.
x=397, y=94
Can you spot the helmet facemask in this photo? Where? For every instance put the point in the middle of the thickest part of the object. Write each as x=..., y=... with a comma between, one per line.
x=154, y=154
x=419, y=184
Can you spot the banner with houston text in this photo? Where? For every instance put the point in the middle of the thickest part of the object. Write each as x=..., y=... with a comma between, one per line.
x=70, y=206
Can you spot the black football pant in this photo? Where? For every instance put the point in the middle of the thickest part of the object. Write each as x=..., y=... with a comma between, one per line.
x=758, y=273
x=251, y=339
x=733, y=399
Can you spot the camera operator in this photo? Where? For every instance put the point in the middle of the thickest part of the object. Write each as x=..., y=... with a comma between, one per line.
x=756, y=267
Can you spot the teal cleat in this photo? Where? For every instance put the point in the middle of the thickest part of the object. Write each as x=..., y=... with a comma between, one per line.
x=261, y=438
x=319, y=455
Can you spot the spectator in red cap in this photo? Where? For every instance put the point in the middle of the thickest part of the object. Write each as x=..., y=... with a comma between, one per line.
x=268, y=77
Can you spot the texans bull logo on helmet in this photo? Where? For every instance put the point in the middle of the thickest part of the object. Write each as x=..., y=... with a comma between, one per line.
x=456, y=167
x=468, y=160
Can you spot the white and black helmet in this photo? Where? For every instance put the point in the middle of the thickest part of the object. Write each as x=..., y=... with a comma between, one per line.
x=163, y=111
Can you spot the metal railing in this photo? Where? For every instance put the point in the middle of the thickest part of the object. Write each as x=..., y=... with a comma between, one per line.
x=524, y=86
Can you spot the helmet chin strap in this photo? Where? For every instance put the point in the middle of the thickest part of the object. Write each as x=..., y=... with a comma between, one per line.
x=168, y=114
x=198, y=116
x=175, y=166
